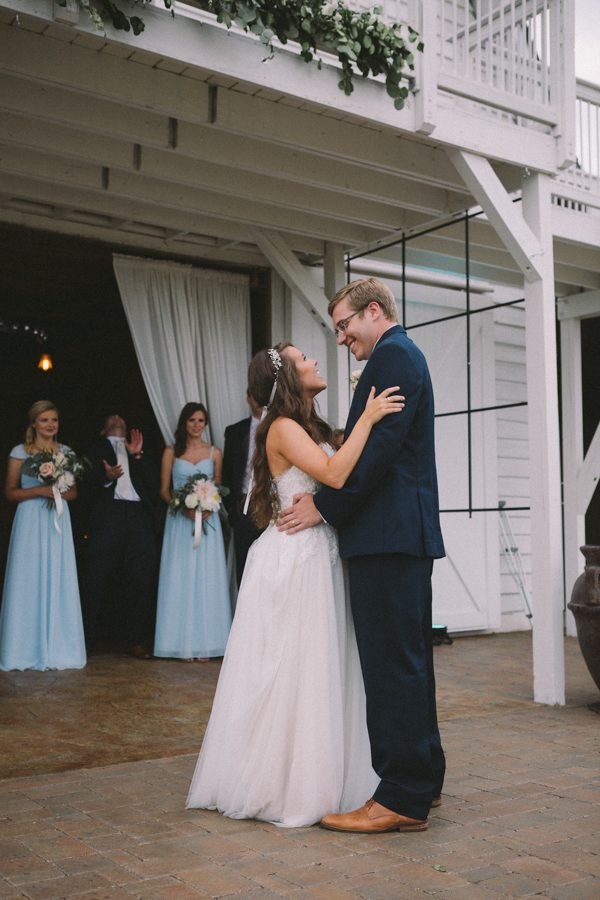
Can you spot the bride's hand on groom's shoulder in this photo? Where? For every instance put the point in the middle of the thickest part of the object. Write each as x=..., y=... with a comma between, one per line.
x=303, y=514
x=386, y=402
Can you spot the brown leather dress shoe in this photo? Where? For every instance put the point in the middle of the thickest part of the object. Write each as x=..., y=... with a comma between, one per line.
x=372, y=818
x=436, y=802
x=140, y=652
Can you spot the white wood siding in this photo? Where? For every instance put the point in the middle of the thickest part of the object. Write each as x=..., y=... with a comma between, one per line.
x=513, y=452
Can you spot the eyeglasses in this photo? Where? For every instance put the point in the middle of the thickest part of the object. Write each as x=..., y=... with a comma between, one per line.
x=343, y=324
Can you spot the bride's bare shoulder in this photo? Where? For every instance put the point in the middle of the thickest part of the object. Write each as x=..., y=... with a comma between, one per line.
x=283, y=426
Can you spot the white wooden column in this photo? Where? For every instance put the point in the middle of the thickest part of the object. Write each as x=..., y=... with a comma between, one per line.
x=563, y=83
x=544, y=453
x=423, y=17
x=338, y=388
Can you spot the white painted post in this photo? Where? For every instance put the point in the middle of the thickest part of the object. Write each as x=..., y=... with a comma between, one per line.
x=563, y=85
x=423, y=16
x=338, y=389
x=572, y=447
x=544, y=455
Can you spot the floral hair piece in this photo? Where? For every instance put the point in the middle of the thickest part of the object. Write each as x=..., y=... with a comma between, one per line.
x=275, y=359
x=277, y=364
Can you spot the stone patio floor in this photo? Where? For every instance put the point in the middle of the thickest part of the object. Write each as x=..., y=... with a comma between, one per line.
x=97, y=765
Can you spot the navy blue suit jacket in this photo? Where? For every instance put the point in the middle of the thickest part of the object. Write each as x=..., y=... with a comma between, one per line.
x=390, y=502
x=234, y=466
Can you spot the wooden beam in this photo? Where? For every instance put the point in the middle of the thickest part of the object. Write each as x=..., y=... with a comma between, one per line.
x=272, y=186
x=287, y=265
x=131, y=240
x=492, y=138
x=165, y=195
x=101, y=74
x=579, y=306
x=497, y=264
x=544, y=453
x=575, y=227
x=506, y=219
x=101, y=203
x=76, y=125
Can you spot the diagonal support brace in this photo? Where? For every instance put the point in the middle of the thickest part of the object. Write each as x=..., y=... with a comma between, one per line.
x=504, y=215
x=285, y=262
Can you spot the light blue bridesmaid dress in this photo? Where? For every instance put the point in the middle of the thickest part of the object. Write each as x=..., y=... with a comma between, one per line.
x=193, y=615
x=40, y=620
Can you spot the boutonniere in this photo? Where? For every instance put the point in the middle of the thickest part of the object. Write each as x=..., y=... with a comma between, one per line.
x=354, y=377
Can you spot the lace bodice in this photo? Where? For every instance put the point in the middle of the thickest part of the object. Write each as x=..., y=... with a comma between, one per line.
x=293, y=481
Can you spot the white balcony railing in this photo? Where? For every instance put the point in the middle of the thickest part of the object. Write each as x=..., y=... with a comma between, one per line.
x=588, y=131
x=506, y=55
x=498, y=52
x=585, y=174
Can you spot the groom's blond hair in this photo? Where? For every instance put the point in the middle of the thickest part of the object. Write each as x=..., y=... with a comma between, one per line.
x=364, y=291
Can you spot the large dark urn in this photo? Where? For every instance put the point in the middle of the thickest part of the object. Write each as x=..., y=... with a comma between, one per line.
x=585, y=606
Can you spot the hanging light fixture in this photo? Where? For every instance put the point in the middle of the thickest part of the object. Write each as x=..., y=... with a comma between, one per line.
x=45, y=363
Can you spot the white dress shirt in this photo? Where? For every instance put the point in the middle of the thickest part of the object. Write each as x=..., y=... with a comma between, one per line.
x=124, y=489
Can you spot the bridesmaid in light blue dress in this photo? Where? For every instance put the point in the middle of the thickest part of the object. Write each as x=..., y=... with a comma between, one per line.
x=193, y=615
x=40, y=619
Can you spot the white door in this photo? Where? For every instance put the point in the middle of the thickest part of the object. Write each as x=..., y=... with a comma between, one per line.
x=466, y=584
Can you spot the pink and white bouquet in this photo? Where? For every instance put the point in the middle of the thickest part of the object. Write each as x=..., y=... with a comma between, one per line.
x=60, y=469
x=199, y=494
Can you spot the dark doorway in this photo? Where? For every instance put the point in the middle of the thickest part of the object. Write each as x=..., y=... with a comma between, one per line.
x=66, y=287
x=590, y=366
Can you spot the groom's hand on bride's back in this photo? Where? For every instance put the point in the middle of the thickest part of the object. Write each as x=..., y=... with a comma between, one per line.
x=303, y=514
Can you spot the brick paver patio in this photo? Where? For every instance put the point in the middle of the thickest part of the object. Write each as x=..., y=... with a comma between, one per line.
x=520, y=817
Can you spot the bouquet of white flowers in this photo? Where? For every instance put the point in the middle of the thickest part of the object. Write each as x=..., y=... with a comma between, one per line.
x=60, y=469
x=199, y=494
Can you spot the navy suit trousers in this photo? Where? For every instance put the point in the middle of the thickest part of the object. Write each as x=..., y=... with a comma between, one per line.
x=122, y=541
x=391, y=605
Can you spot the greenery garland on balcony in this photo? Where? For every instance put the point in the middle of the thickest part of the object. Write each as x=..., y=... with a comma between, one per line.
x=360, y=40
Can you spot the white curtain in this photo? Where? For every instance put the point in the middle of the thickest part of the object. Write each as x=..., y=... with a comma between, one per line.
x=191, y=332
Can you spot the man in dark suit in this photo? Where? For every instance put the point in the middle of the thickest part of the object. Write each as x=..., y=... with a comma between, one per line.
x=387, y=516
x=122, y=534
x=237, y=465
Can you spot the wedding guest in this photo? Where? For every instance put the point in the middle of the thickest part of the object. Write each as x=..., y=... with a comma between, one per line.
x=122, y=534
x=193, y=614
x=40, y=620
x=237, y=465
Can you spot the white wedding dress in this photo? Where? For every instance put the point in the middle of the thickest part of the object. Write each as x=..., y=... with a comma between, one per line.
x=287, y=738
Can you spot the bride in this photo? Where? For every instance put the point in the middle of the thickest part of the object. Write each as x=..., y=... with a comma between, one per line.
x=287, y=738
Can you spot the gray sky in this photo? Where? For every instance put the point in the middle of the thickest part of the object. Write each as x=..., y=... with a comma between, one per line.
x=587, y=40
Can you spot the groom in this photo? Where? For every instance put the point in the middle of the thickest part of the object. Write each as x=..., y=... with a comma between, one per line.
x=387, y=516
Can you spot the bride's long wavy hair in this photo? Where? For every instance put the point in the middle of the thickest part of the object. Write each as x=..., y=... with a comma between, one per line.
x=289, y=400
